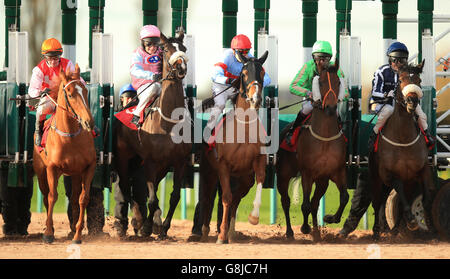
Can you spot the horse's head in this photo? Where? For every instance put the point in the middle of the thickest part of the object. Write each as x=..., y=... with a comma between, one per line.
x=72, y=97
x=174, y=54
x=252, y=79
x=409, y=86
x=328, y=88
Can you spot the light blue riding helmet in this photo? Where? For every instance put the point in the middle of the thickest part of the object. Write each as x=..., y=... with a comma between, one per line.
x=128, y=90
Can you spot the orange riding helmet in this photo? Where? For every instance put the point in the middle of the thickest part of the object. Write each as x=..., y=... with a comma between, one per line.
x=51, y=47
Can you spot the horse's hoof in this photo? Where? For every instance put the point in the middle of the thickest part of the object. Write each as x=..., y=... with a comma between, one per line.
x=74, y=241
x=343, y=233
x=316, y=235
x=253, y=220
x=305, y=229
x=162, y=236
x=221, y=241
x=194, y=238
x=48, y=238
x=329, y=219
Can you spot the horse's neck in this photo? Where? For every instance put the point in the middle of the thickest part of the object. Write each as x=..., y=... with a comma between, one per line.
x=64, y=120
x=172, y=96
x=400, y=121
x=323, y=123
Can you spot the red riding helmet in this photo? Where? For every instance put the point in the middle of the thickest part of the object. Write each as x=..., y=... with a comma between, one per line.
x=241, y=42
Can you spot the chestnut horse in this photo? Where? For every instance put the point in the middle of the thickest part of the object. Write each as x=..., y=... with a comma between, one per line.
x=69, y=150
x=401, y=158
x=237, y=153
x=320, y=155
x=153, y=142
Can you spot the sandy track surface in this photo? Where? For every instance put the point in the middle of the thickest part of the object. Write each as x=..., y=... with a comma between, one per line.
x=254, y=242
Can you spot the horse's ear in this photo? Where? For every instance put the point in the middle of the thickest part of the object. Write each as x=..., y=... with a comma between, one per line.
x=263, y=58
x=421, y=65
x=62, y=75
x=163, y=38
x=77, y=69
x=180, y=34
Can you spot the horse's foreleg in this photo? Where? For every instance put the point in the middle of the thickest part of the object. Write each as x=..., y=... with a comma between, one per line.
x=340, y=181
x=174, y=198
x=226, y=201
x=74, y=200
x=306, y=205
x=260, y=172
x=52, y=178
x=207, y=193
x=411, y=220
x=321, y=188
x=243, y=187
x=86, y=180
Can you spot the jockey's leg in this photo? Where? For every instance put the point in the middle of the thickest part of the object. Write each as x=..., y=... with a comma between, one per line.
x=44, y=107
x=219, y=105
x=424, y=126
x=385, y=113
x=145, y=94
x=306, y=109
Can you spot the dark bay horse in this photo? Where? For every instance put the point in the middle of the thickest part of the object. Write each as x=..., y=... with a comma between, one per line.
x=153, y=142
x=69, y=150
x=320, y=154
x=237, y=153
x=401, y=158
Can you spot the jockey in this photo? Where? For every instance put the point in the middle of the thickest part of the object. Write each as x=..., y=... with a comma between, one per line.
x=384, y=86
x=146, y=69
x=41, y=78
x=301, y=85
x=225, y=72
x=127, y=93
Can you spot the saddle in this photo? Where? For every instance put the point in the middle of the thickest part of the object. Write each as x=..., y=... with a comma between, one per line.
x=295, y=135
x=126, y=114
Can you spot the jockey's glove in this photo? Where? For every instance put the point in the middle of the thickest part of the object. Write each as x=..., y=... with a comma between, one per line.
x=157, y=77
x=45, y=92
x=390, y=94
x=229, y=80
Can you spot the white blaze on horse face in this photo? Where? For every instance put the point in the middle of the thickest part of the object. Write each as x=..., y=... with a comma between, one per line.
x=80, y=91
x=178, y=55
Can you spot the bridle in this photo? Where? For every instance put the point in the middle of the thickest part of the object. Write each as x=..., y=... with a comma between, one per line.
x=330, y=90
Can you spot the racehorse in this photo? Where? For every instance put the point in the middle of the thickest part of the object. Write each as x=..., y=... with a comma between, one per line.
x=320, y=154
x=400, y=160
x=153, y=142
x=237, y=153
x=69, y=150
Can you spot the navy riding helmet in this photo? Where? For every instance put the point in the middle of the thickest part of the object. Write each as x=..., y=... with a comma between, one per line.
x=397, y=48
x=127, y=90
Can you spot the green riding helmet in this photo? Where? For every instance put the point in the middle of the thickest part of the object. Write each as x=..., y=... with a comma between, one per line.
x=322, y=47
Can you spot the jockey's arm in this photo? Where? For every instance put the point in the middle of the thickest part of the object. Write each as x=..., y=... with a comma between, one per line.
x=137, y=70
x=298, y=85
x=37, y=77
x=218, y=73
x=347, y=94
x=378, y=93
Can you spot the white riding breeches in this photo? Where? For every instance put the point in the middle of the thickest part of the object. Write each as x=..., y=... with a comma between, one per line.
x=387, y=111
x=45, y=106
x=219, y=101
x=145, y=94
x=307, y=108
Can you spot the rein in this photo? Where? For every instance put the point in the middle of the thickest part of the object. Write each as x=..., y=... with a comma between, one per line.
x=72, y=113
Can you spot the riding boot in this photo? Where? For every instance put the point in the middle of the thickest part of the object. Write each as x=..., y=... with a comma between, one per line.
x=431, y=141
x=372, y=139
x=300, y=118
x=38, y=132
